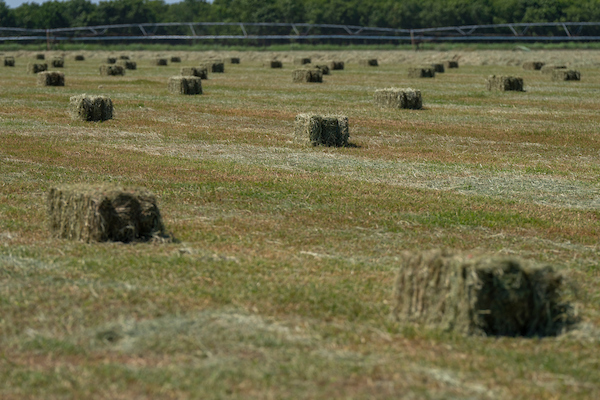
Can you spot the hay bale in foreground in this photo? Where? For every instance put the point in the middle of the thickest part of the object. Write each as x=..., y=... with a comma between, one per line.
x=34, y=68
x=533, y=65
x=58, y=62
x=161, y=62
x=9, y=61
x=215, y=66
x=175, y=59
x=368, y=62
x=274, y=64
x=547, y=69
x=91, y=108
x=185, y=85
x=79, y=57
x=40, y=56
x=111, y=70
x=450, y=64
x=301, y=60
x=200, y=72
x=399, y=98
x=438, y=68
x=307, y=75
x=479, y=295
x=566, y=75
x=103, y=213
x=328, y=130
x=504, y=83
x=111, y=60
x=127, y=64
x=51, y=78
x=336, y=65
x=421, y=72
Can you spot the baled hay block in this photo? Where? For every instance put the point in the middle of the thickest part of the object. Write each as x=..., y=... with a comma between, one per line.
x=51, y=78
x=232, y=60
x=533, y=65
x=421, y=72
x=368, y=62
x=301, y=60
x=88, y=108
x=161, y=62
x=185, y=85
x=329, y=130
x=504, y=83
x=58, y=62
x=547, y=69
x=40, y=56
x=216, y=66
x=323, y=67
x=307, y=75
x=438, y=68
x=200, y=72
x=99, y=214
x=79, y=57
x=566, y=75
x=127, y=64
x=34, y=68
x=399, y=98
x=9, y=61
x=111, y=70
x=335, y=65
x=111, y=60
x=124, y=57
x=175, y=59
x=274, y=64
x=479, y=295
x=450, y=64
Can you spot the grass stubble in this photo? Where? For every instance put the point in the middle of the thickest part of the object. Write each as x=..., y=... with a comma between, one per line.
x=280, y=282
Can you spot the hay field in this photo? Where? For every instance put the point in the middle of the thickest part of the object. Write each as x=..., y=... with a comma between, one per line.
x=279, y=283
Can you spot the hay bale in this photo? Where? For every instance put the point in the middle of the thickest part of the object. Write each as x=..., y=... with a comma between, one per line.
x=232, y=60
x=450, y=64
x=9, y=61
x=111, y=70
x=479, y=295
x=175, y=59
x=40, y=56
x=88, y=108
x=79, y=57
x=368, y=62
x=547, y=69
x=504, y=83
x=201, y=72
x=51, y=78
x=274, y=64
x=329, y=130
x=103, y=213
x=307, y=75
x=398, y=98
x=34, y=68
x=438, y=68
x=131, y=65
x=566, y=75
x=161, y=62
x=335, y=65
x=533, y=65
x=185, y=85
x=421, y=72
x=323, y=67
x=124, y=57
x=215, y=66
x=301, y=60
x=58, y=62
x=111, y=60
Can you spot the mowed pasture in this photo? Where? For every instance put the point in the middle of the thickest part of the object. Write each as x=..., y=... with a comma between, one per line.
x=279, y=281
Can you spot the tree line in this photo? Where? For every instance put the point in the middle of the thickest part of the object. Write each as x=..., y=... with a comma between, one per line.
x=406, y=14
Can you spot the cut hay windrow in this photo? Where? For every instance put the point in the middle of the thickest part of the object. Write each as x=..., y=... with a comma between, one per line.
x=161, y=62
x=51, y=78
x=9, y=61
x=566, y=75
x=548, y=69
x=91, y=108
x=450, y=64
x=274, y=64
x=127, y=64
x=504, y=83
x=58, y=62
x=368, y=62
x=34, y=68
x=479, y=295
x=111, y=60
x=336, y=65
x=40, y=56
x=328, y=130
x=175, y=59
x=307, y=75
x=111, y=70
x=533, y=65
x=301, y=60
x=398, y=98
x=215, y=66
x=103, y=213
x=79, y=57
x=438, y=68
x=185, y=85
x=200, y=72
x=421, y=72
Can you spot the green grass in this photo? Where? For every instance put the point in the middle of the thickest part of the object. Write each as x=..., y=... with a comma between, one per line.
x=279, y=281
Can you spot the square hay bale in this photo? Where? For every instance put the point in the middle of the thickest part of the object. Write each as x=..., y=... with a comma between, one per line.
x=51, y=78
x=40, y=56
x=336, y=65
x=127, y=64
x=450, y=64
x=438, y=68
x=323, y=67
x=9, y=61
x=103, y=213
x=504, y=83
x=200, y=72
x=215, y=66
x=161, y=62
x=111, y=70
x=307, y=75
x=274, y=64
x=79, y=57
x=124, y=57
x=58, y=62
x=111, y=60
x=301, y=60
x=329, y=130
x=185, y=85
x=34, y=68
x=399, y=98
x=232, y=60
x=533, y=65
x=421, y=72
x=91, y=108
x=368, y=62
x=566, y=75
x=175, y=59
x=479, y=295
